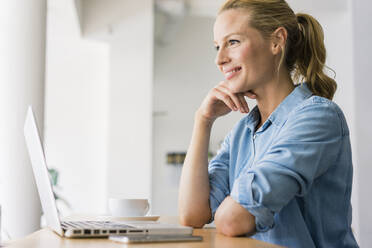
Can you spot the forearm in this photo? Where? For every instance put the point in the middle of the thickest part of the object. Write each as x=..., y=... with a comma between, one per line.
x=194, y=209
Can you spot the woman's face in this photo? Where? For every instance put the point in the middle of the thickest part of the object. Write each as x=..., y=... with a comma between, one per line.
x=243, y=55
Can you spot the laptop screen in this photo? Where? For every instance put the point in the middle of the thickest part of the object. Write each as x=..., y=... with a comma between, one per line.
x=41, y=174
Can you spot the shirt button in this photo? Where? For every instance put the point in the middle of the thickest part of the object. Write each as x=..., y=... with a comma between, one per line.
x=254, y=136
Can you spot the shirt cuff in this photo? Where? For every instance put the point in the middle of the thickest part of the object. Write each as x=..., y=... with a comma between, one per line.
x=216, y=196
x=242, y=194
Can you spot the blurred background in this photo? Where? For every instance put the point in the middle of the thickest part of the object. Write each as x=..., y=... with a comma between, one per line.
x=115, y=85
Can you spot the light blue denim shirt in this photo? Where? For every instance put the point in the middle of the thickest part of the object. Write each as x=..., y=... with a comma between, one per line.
x=294, y=174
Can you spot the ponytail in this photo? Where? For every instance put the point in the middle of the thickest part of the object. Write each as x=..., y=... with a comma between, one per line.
x=311, y=56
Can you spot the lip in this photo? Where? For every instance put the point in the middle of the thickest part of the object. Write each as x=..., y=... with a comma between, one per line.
x=230, y=73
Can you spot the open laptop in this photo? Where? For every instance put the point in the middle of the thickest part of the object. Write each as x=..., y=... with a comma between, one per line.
x=82, y=228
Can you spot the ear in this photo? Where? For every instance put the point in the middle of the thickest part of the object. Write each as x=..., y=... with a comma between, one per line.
x=278, y=40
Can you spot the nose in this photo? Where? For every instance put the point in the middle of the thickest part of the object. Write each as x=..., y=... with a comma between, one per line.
x=221, y=57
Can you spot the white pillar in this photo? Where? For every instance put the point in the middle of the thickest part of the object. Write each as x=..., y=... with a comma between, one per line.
x=22, y=66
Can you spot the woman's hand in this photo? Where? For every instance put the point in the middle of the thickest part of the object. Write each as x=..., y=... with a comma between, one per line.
x=221, y=101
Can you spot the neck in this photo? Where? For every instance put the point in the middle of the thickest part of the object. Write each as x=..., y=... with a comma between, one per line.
x=272, y=93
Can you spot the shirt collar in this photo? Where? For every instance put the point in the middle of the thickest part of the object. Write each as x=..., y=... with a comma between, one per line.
x=300, y=93
x=253, y=118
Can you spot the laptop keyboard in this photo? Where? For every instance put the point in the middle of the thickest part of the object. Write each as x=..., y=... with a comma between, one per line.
x=94, y=225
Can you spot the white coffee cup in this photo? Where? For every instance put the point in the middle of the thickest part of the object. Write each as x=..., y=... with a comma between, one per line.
x=121, y=207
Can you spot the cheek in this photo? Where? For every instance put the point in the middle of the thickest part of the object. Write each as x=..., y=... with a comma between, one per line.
x=251, y=56
x=258, y=59
x=247, y=54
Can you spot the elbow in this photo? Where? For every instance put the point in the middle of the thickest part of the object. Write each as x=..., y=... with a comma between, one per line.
x=234, y=227
x=227, y=228
x=190, y=221
x=193, y=220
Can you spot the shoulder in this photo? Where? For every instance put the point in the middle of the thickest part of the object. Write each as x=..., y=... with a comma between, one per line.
x=319, y=102
x=319, y=112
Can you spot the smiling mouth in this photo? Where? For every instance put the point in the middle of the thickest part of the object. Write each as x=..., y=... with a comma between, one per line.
x=232, y=73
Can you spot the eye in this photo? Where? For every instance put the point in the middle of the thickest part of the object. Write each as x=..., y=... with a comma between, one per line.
x=233, y=42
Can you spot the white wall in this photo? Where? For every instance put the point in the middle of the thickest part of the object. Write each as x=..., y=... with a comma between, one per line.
x=130, y=103
x=76, y=110
x=362, y=40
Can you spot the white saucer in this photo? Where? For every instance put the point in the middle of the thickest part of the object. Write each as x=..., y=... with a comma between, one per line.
x=129, y=218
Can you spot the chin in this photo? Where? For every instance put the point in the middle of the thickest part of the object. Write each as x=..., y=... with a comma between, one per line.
x=236, y=88
x=239, y=85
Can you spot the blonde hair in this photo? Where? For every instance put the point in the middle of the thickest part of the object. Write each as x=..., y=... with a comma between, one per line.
x=304, y=54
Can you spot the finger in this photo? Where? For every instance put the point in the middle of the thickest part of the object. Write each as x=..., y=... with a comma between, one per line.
x=242, y=109
x=250, y=94
x=225, y=98
x=244, y=103
x=233, y=96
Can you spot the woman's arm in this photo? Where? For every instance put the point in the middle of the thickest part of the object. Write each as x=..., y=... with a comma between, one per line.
x=193, y=200
x=194, y=192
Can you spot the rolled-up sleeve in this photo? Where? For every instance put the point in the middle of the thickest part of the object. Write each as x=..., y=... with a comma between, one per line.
x=218, y=171
x=306, y=146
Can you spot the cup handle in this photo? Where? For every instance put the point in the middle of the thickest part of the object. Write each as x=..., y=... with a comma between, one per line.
x=147, y=208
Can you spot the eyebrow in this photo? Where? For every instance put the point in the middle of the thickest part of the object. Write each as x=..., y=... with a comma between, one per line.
x=227, y=36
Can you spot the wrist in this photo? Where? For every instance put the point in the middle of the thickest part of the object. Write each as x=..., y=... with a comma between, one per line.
x=200, y=118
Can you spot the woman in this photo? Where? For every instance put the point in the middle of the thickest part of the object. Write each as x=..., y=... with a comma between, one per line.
x=284, y=172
